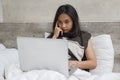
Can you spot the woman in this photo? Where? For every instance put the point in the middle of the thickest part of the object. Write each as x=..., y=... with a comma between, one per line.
x=66, y=25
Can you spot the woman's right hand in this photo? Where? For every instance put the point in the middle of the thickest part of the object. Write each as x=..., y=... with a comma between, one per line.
x=57, y=31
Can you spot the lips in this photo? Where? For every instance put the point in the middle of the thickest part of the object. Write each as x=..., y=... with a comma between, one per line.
x=65, y=30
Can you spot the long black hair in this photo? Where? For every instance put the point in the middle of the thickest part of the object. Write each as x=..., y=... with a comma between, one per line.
x=70, y=11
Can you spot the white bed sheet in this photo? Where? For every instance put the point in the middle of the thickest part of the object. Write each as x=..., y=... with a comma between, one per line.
x=14, y=73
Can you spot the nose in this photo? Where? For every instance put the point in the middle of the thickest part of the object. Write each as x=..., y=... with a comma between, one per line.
x=64, y=25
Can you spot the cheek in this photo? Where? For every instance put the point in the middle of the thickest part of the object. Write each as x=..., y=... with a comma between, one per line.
x=70, y=26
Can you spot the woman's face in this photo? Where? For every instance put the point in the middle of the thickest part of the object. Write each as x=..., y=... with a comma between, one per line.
x=65, y=22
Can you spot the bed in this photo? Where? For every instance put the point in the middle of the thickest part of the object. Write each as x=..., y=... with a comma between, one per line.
x=9, y=32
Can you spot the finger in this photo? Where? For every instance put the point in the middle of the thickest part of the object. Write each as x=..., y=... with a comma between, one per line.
x=69, y=64
x=57, y=24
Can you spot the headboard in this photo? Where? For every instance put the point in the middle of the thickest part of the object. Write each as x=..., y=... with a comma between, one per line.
x=9, y=32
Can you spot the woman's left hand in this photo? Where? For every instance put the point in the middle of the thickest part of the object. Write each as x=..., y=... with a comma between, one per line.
x=72, y=63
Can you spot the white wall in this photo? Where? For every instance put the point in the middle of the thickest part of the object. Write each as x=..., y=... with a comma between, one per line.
x=44, y=10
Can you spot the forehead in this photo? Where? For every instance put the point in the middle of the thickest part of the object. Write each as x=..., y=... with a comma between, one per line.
x=64, y=16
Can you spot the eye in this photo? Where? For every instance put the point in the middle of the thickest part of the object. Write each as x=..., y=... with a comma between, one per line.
x=59, y=22
x=67, y=21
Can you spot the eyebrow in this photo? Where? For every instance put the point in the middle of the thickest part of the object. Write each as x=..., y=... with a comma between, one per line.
x=64, y=20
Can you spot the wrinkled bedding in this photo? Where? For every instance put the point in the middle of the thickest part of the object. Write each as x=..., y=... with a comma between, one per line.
x=15, y=73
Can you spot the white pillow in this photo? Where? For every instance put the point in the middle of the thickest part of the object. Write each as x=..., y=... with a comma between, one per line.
x=104, y=51
x=46, y=34
x=7, y=58
x=2, y=46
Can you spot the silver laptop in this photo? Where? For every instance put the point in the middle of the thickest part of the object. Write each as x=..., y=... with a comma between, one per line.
x=41, y=53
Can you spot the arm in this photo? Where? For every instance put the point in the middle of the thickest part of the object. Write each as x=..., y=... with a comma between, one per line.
x=90, y=63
